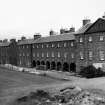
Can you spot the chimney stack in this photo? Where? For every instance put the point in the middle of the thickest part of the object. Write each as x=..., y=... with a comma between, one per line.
x=86, y=21
x=51, y=32
x=12, y=40
x=23, y=38
x=37, y=35
x=72, y=29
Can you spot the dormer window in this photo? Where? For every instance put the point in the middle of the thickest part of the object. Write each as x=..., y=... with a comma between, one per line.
x=101, y=38
x=90, y=39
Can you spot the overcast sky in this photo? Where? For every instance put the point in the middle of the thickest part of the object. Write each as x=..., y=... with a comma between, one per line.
x=26, y=17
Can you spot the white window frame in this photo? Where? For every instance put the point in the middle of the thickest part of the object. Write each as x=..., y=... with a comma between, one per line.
x=90, y=39
x=42, y=54
x=65, y=44
x=72, y=55
x=90, y=55
x=47, y=54
x=101, y=37
x=72, y=44
x=101, y=55
x=52, y=54
x=80, y=39
x=81, y=55
x=59, y=55
x=65, y=55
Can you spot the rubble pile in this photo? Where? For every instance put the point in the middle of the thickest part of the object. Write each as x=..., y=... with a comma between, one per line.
x=67, y=96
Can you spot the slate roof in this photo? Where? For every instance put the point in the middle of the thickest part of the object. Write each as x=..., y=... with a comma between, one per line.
x=4, y=44
x=83, y=29
x=26, y=41
x=54, y=38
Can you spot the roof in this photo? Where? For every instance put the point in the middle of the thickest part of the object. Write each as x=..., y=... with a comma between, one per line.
x=54, y=38
x=83, y=29
x=25, y=41
x=5, y=44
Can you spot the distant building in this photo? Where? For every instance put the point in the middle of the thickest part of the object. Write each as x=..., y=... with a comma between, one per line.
x=69, y=51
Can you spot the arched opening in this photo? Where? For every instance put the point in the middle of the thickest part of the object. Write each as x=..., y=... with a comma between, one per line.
x=72, y=67
x=47, y=65
x=59, y=66
x=42, y=63
x=65, y=66
x=38, y=62
x=34, y=63
x=53, y=66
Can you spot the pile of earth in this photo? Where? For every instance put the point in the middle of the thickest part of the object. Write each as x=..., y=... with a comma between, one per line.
x=67, y=96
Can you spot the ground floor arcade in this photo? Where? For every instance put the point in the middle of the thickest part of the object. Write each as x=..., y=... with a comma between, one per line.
x=65, y=66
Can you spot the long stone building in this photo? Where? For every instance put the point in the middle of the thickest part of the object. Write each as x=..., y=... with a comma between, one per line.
x=69, y=51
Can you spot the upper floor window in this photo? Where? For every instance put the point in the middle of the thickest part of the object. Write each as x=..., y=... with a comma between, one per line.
x=42, y=46
x=27, y=46
x=42, y=54
x=52, y=54
x=47, y=54
x=23, y=46
x=81, y=55
x=33, y=54
x=20, y=54
x=33, y=46
x=47, y=45
x=72, y=55
x=101, y=38
x=101, y=55
x=65, y=44
x=27, y=54
x=80, y=39
x=72, y=44
x=90, y=55
x=58, y=54
x=90, y=39
x=58, y=45
x=52, y=45
x=37, y=46
x=37, y=54
x=65, y=55
x=23, y=54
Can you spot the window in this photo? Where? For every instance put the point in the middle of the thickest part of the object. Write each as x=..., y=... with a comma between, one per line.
x=90, y=39
x=47, y=45
x=72, y=55
x=33, y=46
x=52, y=54
x=81, y=55
x=37, y=46
x=47, y=54
x=27, y=54
x=101, y=55
x=33, y=54
x=58, y=54
x=65, y=44
x=101, y=38
x=52, y=45
x=37, y=54
x=20, y=54
x=90, y=55
x=80, y=39
x=72, y=44
x=27, y=46
x=20, y=62
x=42, y=45
x=23, y=54
x=65, y=55
x=23, y=46
x=58, y=45
x=42, y=54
